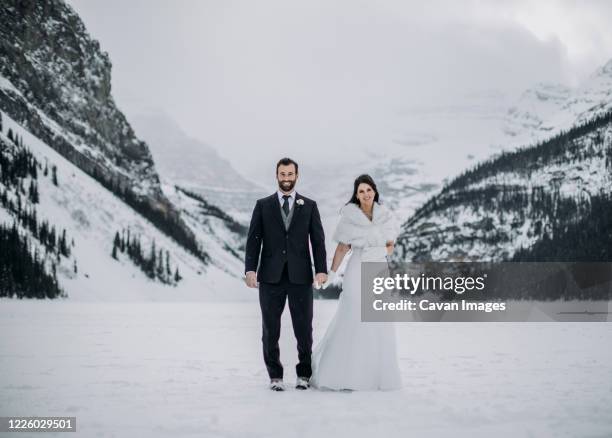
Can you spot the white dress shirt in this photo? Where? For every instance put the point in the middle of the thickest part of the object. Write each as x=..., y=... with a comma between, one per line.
x=282, y=201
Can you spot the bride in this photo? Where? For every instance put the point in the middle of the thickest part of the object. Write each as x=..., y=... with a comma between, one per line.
x=356, y=355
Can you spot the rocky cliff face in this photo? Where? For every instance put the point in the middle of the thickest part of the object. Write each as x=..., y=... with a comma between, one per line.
x=56, y=81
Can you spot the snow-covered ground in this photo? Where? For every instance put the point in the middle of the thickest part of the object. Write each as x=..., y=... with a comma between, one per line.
x=171, y=369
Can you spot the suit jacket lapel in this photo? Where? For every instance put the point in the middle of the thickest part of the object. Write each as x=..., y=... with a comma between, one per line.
x=275, y=205
x=296, y=210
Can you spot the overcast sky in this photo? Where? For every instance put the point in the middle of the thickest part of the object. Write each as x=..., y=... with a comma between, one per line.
x=316, y=79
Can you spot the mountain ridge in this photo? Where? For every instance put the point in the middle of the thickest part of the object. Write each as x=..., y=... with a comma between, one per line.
x=500, y=208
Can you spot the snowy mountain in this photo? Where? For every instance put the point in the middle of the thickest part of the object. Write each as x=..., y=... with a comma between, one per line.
x=56, y=101
x=528, y=118
x=547, y=109
x=550, y=201
x=70, y=199
x=56, y=81
x=423, y=145
x=194, y=165
x=511, y=205
x=429, y=143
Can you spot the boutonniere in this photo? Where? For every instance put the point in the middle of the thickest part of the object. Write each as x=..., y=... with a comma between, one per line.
x=300, y=202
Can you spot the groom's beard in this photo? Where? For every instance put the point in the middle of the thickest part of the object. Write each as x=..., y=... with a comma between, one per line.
x=286, y=186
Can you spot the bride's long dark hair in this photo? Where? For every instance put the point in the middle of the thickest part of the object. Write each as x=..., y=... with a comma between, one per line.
x=367, y=179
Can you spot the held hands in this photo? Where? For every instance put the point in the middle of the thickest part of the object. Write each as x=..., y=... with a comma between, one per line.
x=331, y=278
x=251, y=279
x=319, y=280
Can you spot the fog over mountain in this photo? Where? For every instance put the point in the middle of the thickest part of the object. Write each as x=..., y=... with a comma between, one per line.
x=323, y=81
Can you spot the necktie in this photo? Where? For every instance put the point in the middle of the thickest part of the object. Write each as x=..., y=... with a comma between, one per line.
x=286, y=204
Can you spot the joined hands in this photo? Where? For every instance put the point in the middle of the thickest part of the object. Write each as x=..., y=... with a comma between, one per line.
x=320, y=280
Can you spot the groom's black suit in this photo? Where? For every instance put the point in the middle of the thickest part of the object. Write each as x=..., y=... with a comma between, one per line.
x=285, y=271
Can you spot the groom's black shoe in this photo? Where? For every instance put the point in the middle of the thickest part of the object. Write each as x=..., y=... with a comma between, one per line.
x=302, y=383
x=277, y=385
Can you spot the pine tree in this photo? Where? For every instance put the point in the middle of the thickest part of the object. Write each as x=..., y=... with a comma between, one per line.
x=160, y=264
x=4, y=197
x=63, y=245
x=22, y=269
x=125, y=242
x=168, y=271
x=152, y=260
x=138, y=250
x=52, y=238
x=34, y=168
x=117, y=241
x=18, y=203
x=54, y=174
x=33, y=192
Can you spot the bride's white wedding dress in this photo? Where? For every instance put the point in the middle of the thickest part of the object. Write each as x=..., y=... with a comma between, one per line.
x=352, y=354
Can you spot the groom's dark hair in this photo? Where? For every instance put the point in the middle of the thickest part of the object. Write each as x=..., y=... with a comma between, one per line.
x=286, y=162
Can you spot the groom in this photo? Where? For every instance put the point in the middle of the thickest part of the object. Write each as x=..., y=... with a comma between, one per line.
x=282, y=224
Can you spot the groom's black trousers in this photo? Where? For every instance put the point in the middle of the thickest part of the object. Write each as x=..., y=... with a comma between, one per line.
x=272, y=298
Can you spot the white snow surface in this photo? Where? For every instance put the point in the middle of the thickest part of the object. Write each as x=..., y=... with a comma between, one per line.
x=195, y=370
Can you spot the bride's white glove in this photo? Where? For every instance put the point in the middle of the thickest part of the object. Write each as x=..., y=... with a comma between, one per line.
x=331, y=278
